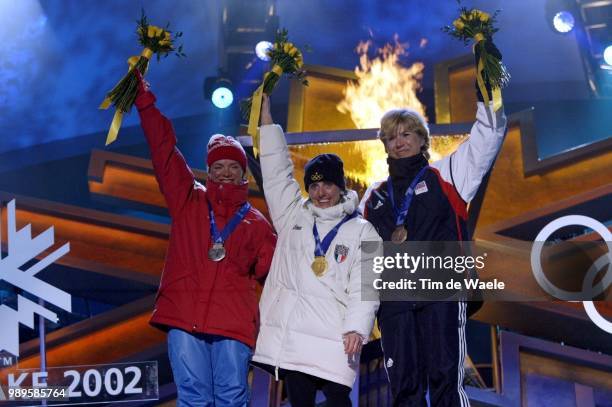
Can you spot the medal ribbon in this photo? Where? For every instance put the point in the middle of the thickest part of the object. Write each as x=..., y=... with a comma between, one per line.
x=231, y=225
x=400, y=215
x=321, y=247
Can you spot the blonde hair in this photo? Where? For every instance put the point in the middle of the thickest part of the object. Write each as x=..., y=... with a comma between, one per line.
x=409, y=120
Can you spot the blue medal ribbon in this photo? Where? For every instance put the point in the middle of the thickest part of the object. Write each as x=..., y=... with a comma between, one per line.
x=321, y=247
x=402, y=212
x=231, y=225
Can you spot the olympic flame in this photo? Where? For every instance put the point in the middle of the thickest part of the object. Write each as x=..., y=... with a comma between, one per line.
x=382, y=84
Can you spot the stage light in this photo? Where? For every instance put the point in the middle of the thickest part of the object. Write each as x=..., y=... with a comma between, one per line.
x=607, y=54
x=261, y=50
x=564, y=21
x=220, y=91
x=222, y=97
x=561, y=15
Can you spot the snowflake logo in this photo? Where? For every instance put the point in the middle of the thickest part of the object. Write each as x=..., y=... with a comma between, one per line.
x=22, y=248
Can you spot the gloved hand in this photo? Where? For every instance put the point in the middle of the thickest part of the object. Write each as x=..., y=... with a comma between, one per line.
x=144, y=96
x=143, y=85
x=492, y=50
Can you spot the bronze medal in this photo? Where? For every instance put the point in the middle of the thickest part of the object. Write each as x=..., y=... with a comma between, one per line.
x=399, y=235
x=217, y=252
x=319, y=265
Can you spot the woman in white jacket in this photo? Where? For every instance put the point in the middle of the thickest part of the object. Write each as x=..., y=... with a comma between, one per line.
x=313, y=319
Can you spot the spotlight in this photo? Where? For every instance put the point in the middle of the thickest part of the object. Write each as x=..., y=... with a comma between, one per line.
x=564, y=21
x=219, y=91
x=222, y=97
x=261, y=50
x=607, y=54
x=561, y=15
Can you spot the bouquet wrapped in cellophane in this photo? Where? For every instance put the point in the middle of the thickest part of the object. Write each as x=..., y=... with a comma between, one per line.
x=285, y=58
x=479, y=26
x=155, y=41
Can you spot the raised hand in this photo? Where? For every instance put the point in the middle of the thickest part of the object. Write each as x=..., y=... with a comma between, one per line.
x=143, y=85
x=491, y=49
x=266, y=115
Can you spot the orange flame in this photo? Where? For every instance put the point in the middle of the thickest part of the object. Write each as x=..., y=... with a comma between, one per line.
x=382, y=84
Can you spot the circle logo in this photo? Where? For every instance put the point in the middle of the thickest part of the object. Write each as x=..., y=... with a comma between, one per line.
x=589, y=289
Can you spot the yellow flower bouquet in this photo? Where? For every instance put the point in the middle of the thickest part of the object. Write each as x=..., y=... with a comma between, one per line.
x=285, y=58
x=155, y=41
x=479, y=26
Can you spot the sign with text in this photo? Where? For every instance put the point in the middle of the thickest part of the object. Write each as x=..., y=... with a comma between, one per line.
x=69, y=385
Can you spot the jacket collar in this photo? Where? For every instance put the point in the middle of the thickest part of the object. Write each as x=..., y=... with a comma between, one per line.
x=405, y=169
x=226, y=199
x=349, y=201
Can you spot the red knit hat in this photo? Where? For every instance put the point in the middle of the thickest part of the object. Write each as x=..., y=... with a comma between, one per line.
x=222, y=147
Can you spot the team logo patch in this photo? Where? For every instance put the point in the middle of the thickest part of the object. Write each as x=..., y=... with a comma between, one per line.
x=420, y=188
x=340, y=253
x=316, y=177
x=378, y=205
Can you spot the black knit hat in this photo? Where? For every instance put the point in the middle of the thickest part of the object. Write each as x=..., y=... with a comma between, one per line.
x=325, y=167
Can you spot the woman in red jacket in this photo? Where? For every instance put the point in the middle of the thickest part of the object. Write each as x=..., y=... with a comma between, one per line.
x=219, y=247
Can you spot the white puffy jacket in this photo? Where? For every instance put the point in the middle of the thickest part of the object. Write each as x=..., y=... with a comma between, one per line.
x=303, y=317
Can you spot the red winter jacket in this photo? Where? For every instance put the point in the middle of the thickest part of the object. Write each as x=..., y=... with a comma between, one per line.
x=196, y=294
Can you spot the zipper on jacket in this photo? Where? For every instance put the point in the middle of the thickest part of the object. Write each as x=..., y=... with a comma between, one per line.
x=217, y=265
x=276, y=373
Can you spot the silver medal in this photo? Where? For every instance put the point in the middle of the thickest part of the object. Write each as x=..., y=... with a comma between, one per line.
x=217, y=252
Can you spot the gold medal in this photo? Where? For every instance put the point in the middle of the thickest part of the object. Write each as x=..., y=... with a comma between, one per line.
x=319, y=265
x=399, y=235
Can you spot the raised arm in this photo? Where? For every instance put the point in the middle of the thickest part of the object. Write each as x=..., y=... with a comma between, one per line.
x=467, y=166
x=281, y=190
x=173, y=175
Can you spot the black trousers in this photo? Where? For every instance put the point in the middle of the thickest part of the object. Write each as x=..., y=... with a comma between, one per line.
x=424, y=348
x=302, y=389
